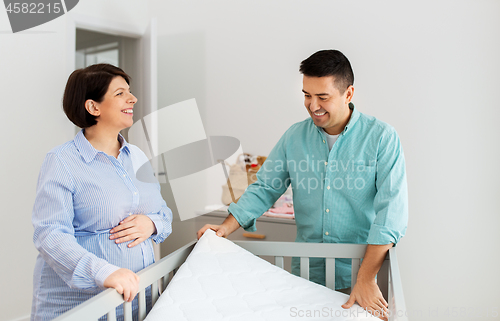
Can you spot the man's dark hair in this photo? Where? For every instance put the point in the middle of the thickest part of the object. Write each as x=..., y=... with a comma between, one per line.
x=326, y=63
x=88, y=83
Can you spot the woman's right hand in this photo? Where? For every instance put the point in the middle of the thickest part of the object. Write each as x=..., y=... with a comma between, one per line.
x=124, y=282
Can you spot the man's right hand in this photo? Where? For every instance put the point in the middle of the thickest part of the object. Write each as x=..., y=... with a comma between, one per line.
x=229, y=225
x=219, y=230
x=124, y=282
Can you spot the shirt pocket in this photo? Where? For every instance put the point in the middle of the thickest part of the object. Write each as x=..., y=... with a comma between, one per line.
x=356, y=181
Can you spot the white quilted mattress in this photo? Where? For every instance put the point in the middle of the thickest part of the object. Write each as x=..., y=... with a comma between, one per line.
x=222, y=281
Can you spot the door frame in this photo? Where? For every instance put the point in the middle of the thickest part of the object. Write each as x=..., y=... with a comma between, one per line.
x=75, y=20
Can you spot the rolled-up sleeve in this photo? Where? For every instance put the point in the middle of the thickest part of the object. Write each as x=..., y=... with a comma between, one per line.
x=391, y=198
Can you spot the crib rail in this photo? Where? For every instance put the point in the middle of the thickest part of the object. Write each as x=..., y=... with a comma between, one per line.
x=106, y=302
x=157, y=276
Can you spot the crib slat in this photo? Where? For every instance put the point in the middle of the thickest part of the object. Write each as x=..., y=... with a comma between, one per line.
x=127, y=311
x=383, y=279
x=142, y=305
x=354, y=271
x=165, y=280
x=390, y=296
x=112, y=315
x=162, y=284
x=279, y=261
x=304, y=267
x=154, y=289
x=330, y=273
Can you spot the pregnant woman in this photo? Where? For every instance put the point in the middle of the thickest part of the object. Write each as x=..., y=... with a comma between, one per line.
x=94, y=221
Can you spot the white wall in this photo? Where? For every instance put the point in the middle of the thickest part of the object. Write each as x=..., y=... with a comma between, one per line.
x=32, y=84
x=33, y=73
x=429, y=68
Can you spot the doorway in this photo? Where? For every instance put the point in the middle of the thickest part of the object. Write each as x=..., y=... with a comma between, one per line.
x=92, y=47
x=95, y=47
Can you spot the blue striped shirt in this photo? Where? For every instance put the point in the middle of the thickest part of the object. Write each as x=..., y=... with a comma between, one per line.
x=81, y=194
x=354, y=193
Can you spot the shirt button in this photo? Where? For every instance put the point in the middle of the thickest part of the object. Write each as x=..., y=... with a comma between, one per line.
x=326, y=233
x=327, y=210
x=135, y=193
x=323, y=141
x=326, y=163
x=328, y=187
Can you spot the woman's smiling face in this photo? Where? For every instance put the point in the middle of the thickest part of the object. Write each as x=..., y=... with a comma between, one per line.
x=116, y=108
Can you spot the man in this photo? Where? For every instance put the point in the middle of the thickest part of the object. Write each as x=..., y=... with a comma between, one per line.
x=348, y=177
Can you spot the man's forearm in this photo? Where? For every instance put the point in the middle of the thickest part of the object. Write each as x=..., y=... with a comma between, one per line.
x=372, y=261
x=230, y=224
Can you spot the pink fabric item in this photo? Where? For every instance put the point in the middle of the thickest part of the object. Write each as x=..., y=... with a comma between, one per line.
x=281, y=210
x=287, y=216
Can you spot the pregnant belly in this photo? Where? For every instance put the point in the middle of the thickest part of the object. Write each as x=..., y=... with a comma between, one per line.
x=133, y=258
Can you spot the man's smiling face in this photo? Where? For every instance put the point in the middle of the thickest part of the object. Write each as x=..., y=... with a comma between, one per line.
x=327, y=106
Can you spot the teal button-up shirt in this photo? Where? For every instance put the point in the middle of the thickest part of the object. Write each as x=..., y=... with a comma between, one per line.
x=354, y=193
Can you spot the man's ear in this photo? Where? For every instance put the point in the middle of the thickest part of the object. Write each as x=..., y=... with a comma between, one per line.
x=92, y=107
x=349, y=94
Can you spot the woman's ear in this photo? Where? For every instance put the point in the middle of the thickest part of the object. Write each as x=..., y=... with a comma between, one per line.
x=92, y=107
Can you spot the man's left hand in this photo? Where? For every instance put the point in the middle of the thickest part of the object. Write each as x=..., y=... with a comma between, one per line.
x=369, y=297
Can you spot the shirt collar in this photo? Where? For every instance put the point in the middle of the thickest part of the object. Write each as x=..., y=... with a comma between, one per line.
x=354, y=118
x=88, y=151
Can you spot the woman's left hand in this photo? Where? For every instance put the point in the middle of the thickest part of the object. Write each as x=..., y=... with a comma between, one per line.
x=135, y=227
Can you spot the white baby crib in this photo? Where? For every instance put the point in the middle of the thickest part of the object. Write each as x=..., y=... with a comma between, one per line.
x=158, y=275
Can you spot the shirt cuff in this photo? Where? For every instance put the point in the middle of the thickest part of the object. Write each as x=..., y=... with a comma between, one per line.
x=103, y=274
x=382, y=235
x=157, y=221
x=246, y=221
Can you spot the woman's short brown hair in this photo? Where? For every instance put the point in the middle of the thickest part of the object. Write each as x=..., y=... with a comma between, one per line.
x=88, y=83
